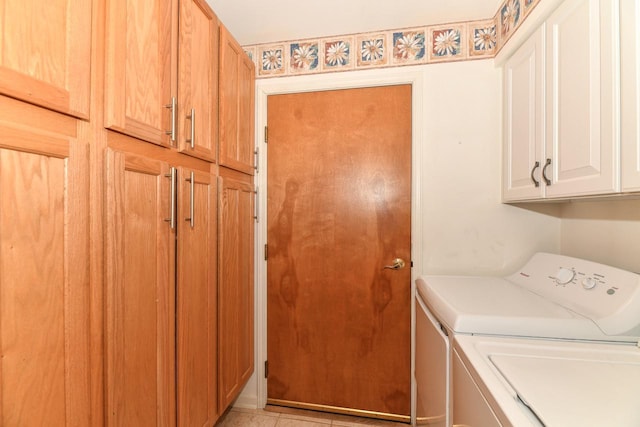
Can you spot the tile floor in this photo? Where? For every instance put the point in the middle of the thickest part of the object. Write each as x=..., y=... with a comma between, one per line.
x=275, y=416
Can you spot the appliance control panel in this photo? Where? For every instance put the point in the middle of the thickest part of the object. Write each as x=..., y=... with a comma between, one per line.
x=607, y=295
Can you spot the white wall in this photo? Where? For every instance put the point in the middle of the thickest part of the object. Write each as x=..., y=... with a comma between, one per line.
x=605, y=231
x=467, y=229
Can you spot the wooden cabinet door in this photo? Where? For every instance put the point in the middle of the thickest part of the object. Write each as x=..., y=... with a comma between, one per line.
x=581, y=105
x=237, y=84
x=44, y=282
x=524, y=121
x=197, y=299
x=235, y=288
x=46, y=53
x=630, y=94
x=198, y=80
x=139, y=294
x=140, y=80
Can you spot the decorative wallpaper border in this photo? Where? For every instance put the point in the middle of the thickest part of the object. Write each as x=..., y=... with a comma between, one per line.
x=458, y=41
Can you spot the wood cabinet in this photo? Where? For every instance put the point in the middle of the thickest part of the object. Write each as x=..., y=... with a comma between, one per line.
x=523, y=153
x=581, y=98
x=46, y=53
x=237, y=99
x=235, y=285
x=198, y=80
x=630, y=94
x=44, y=269
x=197, y=298
x=140, y=76
x=140, y=292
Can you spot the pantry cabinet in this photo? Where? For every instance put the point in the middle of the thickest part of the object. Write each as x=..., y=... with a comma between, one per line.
x=46, y=53
x=581, y=98
x=630, y=94
x=140, y=292
x=523, y=153
x=561, y=127
x=140, y=76
x=237, y=99
x=235, y=285
x=44, y=269
x=197, y=298
x=198, y=80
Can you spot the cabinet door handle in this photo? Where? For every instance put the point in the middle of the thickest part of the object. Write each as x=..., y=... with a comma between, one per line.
x=172, y=198
x=192, y=118
x=192, y=181
x=173, y=109
x=256, y=216
x=536, y=166
x=257, y=154
x=544, y=172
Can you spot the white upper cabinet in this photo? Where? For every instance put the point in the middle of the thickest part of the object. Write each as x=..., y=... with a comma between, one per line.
x=523, y=152
x=630, y=94
x=582, y=148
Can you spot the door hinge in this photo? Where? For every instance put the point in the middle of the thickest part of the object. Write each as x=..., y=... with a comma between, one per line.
x=412, y=264
x=266, y=135
x=266, y=368
x=266, y=252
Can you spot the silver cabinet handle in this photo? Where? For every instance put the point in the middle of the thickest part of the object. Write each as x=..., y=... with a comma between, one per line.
x=172, y=198
x=256, y=216
x=398, y=264
x=536, y=166
x=173, y=109
x=544, y=172
x=257, y=154
x=192, y=118
x=192, y=180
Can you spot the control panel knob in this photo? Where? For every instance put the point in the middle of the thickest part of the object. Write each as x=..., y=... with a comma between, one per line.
x=564, y=276
x=589, y=283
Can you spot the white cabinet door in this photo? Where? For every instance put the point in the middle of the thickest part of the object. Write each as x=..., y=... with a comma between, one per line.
x=630, y=93
x=581, y=101
x=523, y=150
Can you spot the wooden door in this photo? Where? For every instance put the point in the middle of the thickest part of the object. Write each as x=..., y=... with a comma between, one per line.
x=235, y=286
x=524, y=121
x=198, y=80
x=237, y=98
x=140, y=293
x=140, y=78
x=339, y=211
x=582, y=142
x=196, y=299
x=44, y=283
x=46, y=53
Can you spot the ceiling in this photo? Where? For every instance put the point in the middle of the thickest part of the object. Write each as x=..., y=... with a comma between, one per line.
x=265, y=21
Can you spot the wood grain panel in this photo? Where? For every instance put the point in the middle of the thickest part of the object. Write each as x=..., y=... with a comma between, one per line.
x=197, y=301
x=235, y=288
x=44, y=311
x=339, y=210
x=141, y=44
x=198, y=78
x=237, y=79
x=45, y=53
x=140, y=299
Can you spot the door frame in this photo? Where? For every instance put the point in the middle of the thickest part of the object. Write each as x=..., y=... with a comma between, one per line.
x=415, y=76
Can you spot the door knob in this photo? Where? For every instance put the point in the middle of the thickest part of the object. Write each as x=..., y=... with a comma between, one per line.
x=398, y=264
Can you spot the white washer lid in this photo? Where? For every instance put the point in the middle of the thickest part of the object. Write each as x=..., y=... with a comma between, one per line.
x=496, y=306
x=575, y=391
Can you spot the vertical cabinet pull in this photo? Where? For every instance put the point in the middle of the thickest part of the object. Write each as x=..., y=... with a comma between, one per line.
x=256, y=152
x=256, y=216
x=544, y=172
x=536, y=166
x=192, y=117
x=172, y=198
x=192, y=187
x=173, y=109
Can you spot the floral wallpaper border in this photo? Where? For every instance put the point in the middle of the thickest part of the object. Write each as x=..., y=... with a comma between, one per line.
x=410, y=46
